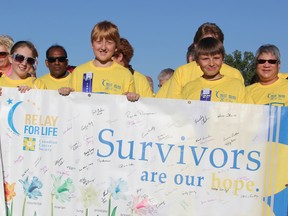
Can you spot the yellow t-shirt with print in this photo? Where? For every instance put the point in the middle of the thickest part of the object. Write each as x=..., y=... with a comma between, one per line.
x=114, y=79
x=189, y=72
x=32, y=82
x=226, y=89
x=273, y=94
x=53, y=83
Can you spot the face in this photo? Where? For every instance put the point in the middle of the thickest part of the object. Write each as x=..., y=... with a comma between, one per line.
x=164, y=80
x=57, y=63
x=210, y=65
x=267, y=72
x=22, y=63
x=4, y=60
x=103, y=50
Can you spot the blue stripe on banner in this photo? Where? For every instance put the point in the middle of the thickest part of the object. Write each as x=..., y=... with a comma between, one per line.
x=278, y=125
x=283, y=138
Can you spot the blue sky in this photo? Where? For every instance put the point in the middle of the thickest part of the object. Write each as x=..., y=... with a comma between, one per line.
x=159, y=30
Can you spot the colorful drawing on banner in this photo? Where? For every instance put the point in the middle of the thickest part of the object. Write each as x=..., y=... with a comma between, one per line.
x=11, y=115
x=9, y=195
x=62, y=191
x=89, y=197
x=29, y=144
x=141, y=205
x=117, y=190
x=31, y=190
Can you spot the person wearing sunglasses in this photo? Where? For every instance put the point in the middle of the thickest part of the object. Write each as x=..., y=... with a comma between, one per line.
x=57, y=63
x=23, y=57
x=270, y=88
x=6, y=43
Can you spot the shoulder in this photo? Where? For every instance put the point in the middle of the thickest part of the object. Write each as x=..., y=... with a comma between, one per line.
x=189, y=66
x=283, y=75
x=45, y=76
x=139, y=75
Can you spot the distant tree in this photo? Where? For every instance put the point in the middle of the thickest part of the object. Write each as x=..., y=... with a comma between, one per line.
x=244, y=64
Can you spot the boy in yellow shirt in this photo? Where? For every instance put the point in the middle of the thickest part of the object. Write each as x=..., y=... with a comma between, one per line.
x=212, y=85
x=191, y=71
x=102, y=74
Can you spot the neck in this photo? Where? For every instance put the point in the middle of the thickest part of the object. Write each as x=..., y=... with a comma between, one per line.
x=98, y=63
x=5, y=69
x=62, y=76
x=14, y=76
x=268, y=82
x=213, y=78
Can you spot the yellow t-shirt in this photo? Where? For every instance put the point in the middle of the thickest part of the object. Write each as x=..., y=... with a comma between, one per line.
x=142, y=85
x=32, y=82
x=189, y=72
x=225, y=89
x=273, y=94
x=53, y=83
x=283, y=75
x=115, y=79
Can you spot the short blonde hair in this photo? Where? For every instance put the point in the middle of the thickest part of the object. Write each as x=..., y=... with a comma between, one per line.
x=6, y=41
x=107, y=30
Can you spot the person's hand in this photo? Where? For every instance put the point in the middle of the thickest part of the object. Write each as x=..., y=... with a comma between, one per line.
x=23, y=89
x=64, y=91
x=131, y=96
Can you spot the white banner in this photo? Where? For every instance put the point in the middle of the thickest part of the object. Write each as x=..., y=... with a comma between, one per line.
x=91, y=154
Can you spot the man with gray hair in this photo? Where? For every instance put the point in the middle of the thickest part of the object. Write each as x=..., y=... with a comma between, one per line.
x=270, y=89
x=164, y=76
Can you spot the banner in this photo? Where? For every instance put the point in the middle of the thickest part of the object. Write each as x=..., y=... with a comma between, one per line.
x=94, y=154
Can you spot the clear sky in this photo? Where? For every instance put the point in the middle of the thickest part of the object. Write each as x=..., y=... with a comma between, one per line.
x=159, y=30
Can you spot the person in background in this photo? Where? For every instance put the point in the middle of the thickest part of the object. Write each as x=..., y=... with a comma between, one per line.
x=212, y=85
x=71, y=68
x=102, y=74
x=190, y=55
x=57, y=63
x=6, y=43
x=191, y=71
x=151, y=83
x=164, y=76
x=270, y=88
x=123, y=56
x=23, y=57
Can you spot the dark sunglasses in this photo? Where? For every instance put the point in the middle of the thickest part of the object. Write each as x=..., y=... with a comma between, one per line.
x=60, y=59
x=270, y=61
x=3, y=54
x=20, y=58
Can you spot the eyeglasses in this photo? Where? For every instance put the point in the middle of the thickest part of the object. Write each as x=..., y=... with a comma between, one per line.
x=60, y=59
x=270, y=61
x=3, y=54
x=20, y=58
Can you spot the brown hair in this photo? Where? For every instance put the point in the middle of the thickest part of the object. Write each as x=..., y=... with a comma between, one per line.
x=126, y=49
x=208, y=29
x=28, y=44
x=107, y=30
x=209, y=46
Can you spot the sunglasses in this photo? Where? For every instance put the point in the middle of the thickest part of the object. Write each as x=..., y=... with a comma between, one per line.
x=20, y=58
x=3, y=54
x=270, y=61
x=60, y=59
